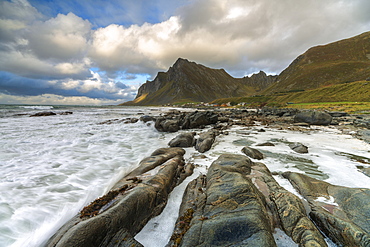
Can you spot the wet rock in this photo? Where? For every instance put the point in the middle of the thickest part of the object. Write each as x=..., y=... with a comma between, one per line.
x=252, y=152
x=205, y=141
x=134, y=120
x=183, y=140
x=43, y=114
x=66, y=113
x=167, y=125
x=115, y=218
x=341, y=213
x=224, y=208
x=299, y=148
x=197, y=119
x=287, y=209
x=338, y=114
x=146, y=118
x=313, y=117
x=364, y=135
x=266, y=144
x=362, y=123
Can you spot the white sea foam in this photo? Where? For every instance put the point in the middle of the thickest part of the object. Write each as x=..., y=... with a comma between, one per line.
x=322, y=143
x=53, y=166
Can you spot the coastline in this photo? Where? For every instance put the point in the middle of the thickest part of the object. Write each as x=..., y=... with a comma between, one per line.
x=279, y=119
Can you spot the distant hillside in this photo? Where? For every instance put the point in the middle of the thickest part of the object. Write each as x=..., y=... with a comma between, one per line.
x=343, y=61
x=358, y=91
x=191, y=82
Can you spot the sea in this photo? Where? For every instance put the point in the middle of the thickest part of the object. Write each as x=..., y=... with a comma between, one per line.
x=53, y=166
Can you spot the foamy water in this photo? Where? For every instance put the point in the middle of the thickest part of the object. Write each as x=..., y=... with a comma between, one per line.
x=51, y=167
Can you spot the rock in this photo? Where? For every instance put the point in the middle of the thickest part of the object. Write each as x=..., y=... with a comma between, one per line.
x=183, y=140
x=365, y=170
x=43, y=114
x=287, y=209
x=364, y=135
x=253, y=153
x=197, y=119
x=266, y=144
x=66, y=113
x=299, y=148
x=313, y=117
x=115, y=218
x=146, y=118
x=224, y=208
x=338, y=114
x=166, y=125
x=223, y=119
x=362, y=123
x=134, y=120
x=341, y=213
x=205, y=141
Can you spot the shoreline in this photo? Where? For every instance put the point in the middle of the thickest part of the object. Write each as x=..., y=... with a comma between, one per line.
x=274, y=119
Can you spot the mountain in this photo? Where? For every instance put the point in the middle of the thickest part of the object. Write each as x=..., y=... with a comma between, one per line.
x=339, y=62
x=188, y=81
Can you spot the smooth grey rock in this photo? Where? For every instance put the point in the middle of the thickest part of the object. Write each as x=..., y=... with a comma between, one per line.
x=313, y=117
x=224, y=208
x=205, y=141
x=299, y=148
x=183, y=140
x=252, y=152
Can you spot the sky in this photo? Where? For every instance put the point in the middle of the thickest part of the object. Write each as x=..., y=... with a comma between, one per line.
x=98, y=52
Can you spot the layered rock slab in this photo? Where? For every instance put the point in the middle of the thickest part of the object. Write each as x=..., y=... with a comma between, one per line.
x=342, y=213
x=224, y=208
x=115, y=218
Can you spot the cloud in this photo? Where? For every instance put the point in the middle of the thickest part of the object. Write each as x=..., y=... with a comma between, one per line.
x=63, y=38
x=42, y=55
x=94, y=87
x=241, y=36
x=52, y=99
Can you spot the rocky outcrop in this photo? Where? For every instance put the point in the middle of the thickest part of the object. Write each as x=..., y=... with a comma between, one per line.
x=224, y=208
x=175, y=122
x=205, y=141
x=313, y=117
x=183, y=140
x=252, y=152
x=115, y=218
x=239, y=203
x=341, y=213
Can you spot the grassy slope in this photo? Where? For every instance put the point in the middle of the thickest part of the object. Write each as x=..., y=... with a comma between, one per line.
x=335, y=63
x=345, y=92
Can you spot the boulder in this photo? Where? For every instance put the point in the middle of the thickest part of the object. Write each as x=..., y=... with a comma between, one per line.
x=183, y=140
x=299, y=148
x=224, y=208
x=205, y=141
x=198, y=119
x=146, y=118
x=253, y=153
x=167, y=125
x=341, y=213
x=313, y=117
x=43, y=114
x=116, y=217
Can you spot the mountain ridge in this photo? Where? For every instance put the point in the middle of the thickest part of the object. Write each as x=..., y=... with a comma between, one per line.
x=188, y=81
x=343, y=61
